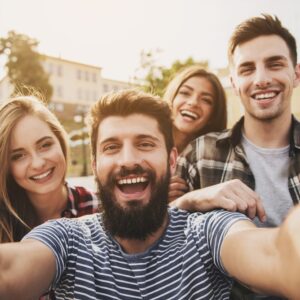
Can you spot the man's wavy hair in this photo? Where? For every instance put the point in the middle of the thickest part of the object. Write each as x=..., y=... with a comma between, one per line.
x=260, y=26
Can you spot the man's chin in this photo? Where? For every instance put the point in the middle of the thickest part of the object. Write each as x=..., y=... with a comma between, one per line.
x=135, y=218
x=134, y=203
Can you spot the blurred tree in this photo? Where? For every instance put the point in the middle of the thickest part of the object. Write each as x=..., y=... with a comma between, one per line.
x=155, y=77
x=24, y=67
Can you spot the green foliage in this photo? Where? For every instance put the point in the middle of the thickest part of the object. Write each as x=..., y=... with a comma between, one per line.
x=24, y=67
x=157, y=77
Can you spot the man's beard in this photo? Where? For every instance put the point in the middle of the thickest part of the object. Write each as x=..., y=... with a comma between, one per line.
x=135, y=221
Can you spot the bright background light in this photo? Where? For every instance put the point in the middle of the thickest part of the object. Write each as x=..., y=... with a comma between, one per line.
x=112, y=33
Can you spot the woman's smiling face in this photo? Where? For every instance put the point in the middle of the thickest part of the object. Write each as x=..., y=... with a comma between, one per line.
x=193, y=105
x=36, y=159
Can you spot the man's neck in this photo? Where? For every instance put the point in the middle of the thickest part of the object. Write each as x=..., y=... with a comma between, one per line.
x=268, y=134
x=132, y=246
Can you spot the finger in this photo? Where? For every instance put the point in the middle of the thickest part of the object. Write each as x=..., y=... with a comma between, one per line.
x=240, y=202
x=252, y=209
x=179, y=183
x=178, y=187
x=260, y=211
x=254, y=206
x=227, y=204
x=248, y=200
x=177, y=179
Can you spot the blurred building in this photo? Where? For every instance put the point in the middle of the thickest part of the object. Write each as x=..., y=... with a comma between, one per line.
x=74, y=84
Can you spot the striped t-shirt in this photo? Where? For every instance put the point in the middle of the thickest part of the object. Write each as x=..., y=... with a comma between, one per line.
x=183, y=264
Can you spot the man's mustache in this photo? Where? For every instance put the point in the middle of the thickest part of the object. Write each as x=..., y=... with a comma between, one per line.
x=136, y=170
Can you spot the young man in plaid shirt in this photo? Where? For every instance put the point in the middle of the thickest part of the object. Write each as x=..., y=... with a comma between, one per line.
x=254, y=167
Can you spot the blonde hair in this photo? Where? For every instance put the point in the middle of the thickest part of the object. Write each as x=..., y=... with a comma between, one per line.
x=218, y=120
x=17, y=213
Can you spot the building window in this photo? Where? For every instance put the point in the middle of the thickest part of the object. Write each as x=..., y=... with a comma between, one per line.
x=94, y=77
x=115, y=88
x=59, y=71
x=87, y=76
x=87, y=95
x=79, y=74
x=59, y=91
x=79, y=94
x=105, y=88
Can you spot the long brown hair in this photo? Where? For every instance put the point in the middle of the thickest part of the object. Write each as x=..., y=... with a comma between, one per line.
x=218, y=119
x=17, y=213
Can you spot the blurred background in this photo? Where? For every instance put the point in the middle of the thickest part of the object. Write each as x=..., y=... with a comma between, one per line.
x=75, y=51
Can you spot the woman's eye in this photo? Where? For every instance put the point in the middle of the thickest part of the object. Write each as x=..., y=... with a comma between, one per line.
x=208, y=101
x=47, y=145
x=184, y=93
x=18, y=156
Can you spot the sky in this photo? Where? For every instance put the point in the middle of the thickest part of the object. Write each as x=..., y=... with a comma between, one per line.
x=111, y=34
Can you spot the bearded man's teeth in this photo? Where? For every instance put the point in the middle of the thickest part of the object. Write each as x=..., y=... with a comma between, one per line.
x=132, y=180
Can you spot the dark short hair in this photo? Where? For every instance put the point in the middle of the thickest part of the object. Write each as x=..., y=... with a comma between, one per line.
x=259, y=26
x=128, y=102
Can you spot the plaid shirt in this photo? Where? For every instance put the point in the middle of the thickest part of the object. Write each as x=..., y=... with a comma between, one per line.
x=80, y=202
x=219, y=156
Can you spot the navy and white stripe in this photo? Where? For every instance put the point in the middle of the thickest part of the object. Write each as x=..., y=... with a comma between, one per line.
x=183, y=264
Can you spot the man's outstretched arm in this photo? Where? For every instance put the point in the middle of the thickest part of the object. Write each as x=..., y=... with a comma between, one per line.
x=266, y=260
x=27, y=269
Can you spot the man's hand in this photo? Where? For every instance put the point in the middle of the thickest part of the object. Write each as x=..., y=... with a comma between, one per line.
x=177, y=188
x=232, y=195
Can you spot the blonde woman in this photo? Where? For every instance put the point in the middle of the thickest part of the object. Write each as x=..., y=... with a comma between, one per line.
x=198, y=104
x=33, y=154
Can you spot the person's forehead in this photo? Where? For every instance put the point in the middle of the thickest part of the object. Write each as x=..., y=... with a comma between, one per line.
x=26, y=127
x=260, y=48
x=198, y=82
x=131, y=125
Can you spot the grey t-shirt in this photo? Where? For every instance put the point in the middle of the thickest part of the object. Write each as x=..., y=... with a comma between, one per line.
x=270, y=167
